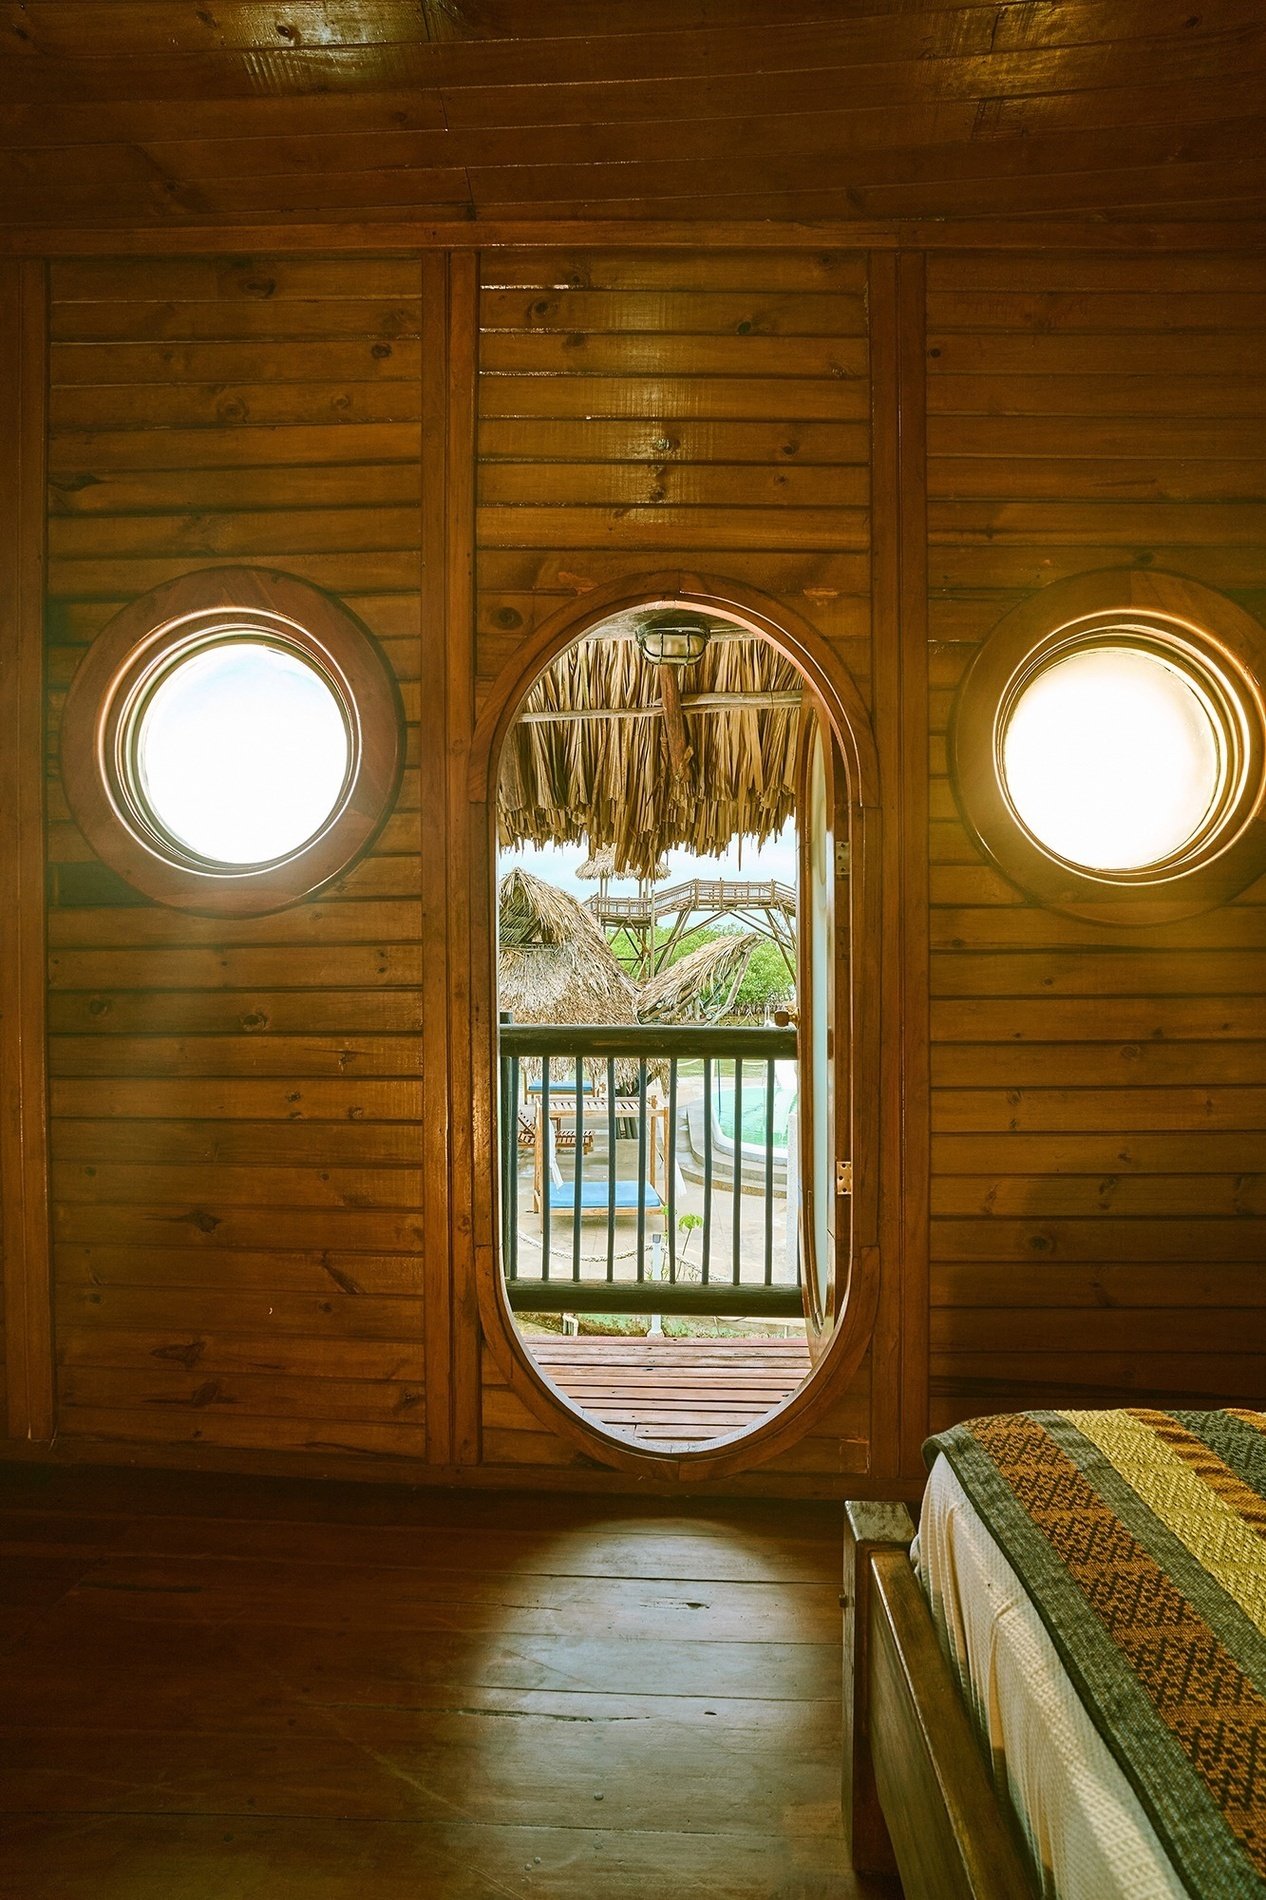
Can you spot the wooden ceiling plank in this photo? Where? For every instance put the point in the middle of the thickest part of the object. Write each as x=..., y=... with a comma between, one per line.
x=826, y=133
x=995, y=162
x=558, y=85
x=888, y=86
x=81, y=30
x=1073, y=192
x=388, y=114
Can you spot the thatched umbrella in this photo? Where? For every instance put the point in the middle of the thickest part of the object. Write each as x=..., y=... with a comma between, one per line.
x=554, y=964
x=601, y=864
x=590, y=753
x=701, y=987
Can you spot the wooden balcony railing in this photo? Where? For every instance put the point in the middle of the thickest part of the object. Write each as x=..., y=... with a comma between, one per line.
x=622, y=1188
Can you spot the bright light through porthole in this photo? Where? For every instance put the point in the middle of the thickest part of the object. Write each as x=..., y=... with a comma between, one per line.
x=242, y=753
x=1113, y=758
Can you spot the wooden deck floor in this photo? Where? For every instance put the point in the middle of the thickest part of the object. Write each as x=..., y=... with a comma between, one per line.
x=224, y=1689
x=674, y=1392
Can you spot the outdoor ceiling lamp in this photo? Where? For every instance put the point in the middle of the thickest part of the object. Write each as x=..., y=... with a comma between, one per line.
x=673, y=636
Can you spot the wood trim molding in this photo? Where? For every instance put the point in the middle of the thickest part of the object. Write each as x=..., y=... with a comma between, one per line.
x=626, y=234
x=24, y=1220
x=450, y=337
x=845, y=709
x=463, y=369
x=898, y=293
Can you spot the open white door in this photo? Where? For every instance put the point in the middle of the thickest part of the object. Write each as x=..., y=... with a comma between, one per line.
x=823, y=915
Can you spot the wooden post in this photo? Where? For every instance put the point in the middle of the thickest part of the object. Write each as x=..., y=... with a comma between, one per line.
x=450, y=326
x=24, y=1221
x=867, y=1527
x=899, y=585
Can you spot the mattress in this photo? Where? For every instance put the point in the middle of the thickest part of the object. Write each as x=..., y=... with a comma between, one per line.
x=1087, y=1835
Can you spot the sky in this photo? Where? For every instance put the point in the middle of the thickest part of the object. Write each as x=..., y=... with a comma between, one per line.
x=557, y=864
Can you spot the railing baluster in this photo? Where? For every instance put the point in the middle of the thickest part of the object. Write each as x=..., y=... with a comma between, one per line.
x=545, y=1159
x=513, y=1145
x=736, y=1239
x=504, y=1077
x=769, y=1174
x=577, y=1177
x=611, y=1142
x=707, y=1170
x=641, y=1170
x=670, y=1170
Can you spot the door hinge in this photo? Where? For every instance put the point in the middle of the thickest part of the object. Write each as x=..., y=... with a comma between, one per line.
x=841, y=860
x=843, y=1177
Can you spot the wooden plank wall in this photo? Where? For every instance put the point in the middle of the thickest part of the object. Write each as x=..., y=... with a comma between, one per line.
x=243, y=1246
x=1099, y=1098
x=641, y=411
x=237, y=1185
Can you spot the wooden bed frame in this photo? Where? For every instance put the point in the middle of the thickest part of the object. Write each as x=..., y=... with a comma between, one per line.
x=918, y=1798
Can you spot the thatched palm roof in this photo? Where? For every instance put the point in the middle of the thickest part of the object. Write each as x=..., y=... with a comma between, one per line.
x=701, y=987
x=554, y=964
x=589, y=755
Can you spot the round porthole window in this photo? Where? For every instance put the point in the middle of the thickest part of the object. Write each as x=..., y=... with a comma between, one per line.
x=231, y=742
x=1111, y=759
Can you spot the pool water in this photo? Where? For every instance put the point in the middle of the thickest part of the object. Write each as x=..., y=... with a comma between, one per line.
x=754, y=1105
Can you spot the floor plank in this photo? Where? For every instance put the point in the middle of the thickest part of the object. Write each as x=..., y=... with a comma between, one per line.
x=672, y=1392
x=230, y=1689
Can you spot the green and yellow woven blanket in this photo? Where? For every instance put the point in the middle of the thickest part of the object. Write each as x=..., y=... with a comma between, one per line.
x=1141, y=1538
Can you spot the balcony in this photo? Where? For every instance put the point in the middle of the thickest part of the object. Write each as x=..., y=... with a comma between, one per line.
x=653, y=1171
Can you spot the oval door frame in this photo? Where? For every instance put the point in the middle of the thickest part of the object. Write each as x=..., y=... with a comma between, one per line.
x=835, y=688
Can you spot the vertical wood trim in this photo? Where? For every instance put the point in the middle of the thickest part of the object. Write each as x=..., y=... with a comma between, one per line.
x=899, y=592
x=436, y=825
x=23, y=974
x=474, y=1145
x=915, y=851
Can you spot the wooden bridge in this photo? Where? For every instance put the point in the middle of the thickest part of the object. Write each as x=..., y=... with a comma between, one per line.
x=766, y=906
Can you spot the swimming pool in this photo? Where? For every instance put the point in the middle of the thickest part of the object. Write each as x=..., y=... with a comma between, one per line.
x=786, y=1094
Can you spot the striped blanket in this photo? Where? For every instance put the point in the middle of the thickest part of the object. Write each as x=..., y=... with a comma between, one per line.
x=1141, y=1538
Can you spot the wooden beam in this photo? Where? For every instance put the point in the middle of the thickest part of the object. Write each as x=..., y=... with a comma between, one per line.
x=475, y=1137
x=23, y=1078
x=659, y=1296
x=434, y=1136
x=680, y=750
x=898, y=334
x=692, y=703
x=463, y=234
x=451, y=1142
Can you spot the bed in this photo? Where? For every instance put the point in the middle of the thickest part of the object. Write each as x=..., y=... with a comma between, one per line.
x=1059, y=1688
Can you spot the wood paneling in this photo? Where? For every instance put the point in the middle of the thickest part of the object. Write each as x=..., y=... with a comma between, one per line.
x=162, y=114
x=1098, y=1093
x=576, y=346
x=237, y=1186
x=262, y=1168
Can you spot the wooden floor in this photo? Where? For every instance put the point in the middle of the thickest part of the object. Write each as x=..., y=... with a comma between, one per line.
x=222, y=1689
x=674, y=1392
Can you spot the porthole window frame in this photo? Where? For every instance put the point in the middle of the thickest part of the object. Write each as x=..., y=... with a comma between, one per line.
x=140, y=648
x=1213, y=643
